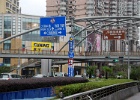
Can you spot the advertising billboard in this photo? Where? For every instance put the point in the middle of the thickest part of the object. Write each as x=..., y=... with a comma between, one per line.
x=39, y=46
x=93, y=42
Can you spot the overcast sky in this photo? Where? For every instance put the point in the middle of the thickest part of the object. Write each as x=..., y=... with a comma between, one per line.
x=33, y=7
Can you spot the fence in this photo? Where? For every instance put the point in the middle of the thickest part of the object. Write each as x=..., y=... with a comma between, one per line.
x=97, y=94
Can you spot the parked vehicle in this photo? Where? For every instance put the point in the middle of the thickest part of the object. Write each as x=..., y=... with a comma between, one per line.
x=60, y=74
x=9, y=76
x=78, y=76
x=39, y=76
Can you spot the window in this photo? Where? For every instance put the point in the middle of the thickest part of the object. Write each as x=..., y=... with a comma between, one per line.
x=14, y=9
x=7, y=4
x=7, y=46
x=14, y=1
x=6, y=60
x=7, y=24
x=7, y=34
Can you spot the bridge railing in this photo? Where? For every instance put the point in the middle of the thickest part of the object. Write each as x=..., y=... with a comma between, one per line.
x=65, y=53
x=97, y=94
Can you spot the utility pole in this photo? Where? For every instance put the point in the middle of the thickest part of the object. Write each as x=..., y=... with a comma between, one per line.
x=129, y=67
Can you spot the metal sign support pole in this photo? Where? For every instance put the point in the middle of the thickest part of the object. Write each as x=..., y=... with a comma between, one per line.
x=129, y=67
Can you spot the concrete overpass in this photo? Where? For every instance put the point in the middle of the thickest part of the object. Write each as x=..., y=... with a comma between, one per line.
x=79, y=56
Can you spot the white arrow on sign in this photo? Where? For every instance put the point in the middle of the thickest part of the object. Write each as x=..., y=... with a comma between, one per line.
x=45, y=32
x=117, y=37
x=59, y=32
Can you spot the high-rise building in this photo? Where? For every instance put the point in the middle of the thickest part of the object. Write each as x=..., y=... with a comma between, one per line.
x=9, y=6
x=92, y=7
x=87, y=8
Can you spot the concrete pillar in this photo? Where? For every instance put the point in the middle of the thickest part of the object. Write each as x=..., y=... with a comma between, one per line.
x=61, y=68
x=46, y=66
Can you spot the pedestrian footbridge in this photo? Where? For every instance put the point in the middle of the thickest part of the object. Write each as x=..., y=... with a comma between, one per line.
x=94, y=56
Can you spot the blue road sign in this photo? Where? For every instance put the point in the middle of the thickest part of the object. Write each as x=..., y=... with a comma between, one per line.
x=70, y=71
x=53, y=26
x=71, y=54
x=71, y=45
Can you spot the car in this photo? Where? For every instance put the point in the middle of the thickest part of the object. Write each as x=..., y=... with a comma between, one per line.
x=39, y=76
x=60, y=74
x=9, y=76
x=78, y=76
x=119, y=76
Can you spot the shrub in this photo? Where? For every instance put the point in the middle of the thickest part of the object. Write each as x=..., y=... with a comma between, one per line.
x=135, y=73
x=33, y=83
x=81, y=87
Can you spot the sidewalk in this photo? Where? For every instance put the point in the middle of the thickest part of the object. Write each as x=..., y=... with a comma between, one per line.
x=134, y=97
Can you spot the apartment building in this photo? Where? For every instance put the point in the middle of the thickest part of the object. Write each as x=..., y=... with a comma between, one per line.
x=9, y=6
x=92, y=7
x=87, y=8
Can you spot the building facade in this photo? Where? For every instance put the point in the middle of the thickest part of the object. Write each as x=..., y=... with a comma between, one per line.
x=13, y=24
x=87, y=8
x=92, y=7
x=9, y=6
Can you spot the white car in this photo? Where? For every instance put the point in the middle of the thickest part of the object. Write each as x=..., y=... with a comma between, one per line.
x=9, y=76
x=39, y=76
x=78, y=76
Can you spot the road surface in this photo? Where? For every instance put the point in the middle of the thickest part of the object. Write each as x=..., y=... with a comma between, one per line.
x=135, y=97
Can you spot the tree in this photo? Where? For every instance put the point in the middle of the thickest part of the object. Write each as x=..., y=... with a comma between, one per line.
x=107, y=70
x=135, y=73
x=4, y=69
x=91, y=70
x=120, y=69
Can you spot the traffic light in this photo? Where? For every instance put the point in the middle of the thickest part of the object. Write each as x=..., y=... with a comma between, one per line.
x=115, y=60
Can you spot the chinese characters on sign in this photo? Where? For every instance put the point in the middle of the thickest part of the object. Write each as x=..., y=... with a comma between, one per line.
x=113, y=34
x=71, y=55
x=39, y=46
x=53, y=26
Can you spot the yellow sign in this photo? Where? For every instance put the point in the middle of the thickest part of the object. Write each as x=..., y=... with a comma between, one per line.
x=39, y=46
x=71, y=38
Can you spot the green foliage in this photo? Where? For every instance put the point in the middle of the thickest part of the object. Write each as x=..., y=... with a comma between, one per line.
x=4, y=69
x=91, y=70
x=107, y=70
x=121, y=73
x=120, y=69
x=81, y=87
x=135, y=73
x=33, y=83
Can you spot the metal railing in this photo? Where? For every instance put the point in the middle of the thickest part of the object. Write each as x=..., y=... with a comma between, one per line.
x=99, y=93
x=65, y=53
